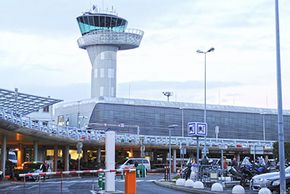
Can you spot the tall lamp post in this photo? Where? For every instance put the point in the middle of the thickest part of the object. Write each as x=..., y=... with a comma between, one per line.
x=170, y=127
x=279, y=104
x=167, y=94
x=204, y=113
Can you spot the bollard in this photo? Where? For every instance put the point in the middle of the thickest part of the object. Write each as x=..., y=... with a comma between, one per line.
x=238, y=189
x=217, y=187
x=180, y=182
x=130, y=182
x=198, y=185
x=188, y=183
x=101, y=181
x=265, y=191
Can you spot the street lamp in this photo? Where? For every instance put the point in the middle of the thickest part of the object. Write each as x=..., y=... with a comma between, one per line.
x=204, y=114
x=182, y=121
x=170, y=127
x=279, y=104
x=167, y=94
x=263, y=125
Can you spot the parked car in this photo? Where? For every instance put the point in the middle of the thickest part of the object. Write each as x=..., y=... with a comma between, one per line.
x=131, y=162
x=274, y=185
x=29, y=167
x=263, y=180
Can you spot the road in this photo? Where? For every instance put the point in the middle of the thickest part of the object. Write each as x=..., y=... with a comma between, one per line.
x=85, y=185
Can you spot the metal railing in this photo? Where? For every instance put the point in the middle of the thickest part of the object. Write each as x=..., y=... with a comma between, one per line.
x=88, y=135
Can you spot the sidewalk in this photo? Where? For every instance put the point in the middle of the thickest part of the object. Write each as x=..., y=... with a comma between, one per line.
x=171, y=185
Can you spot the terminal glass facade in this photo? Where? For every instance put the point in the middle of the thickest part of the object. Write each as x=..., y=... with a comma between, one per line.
x=154, y=120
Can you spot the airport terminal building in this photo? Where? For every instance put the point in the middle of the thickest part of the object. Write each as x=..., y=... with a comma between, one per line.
x=153, y=118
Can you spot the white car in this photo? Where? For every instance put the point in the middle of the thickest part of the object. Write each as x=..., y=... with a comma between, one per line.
x=131, y=162
x=263, y=180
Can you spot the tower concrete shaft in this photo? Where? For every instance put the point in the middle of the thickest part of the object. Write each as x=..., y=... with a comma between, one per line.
x=102, y=36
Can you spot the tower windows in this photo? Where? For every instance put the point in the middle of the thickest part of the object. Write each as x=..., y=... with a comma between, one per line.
x=102, y=72
x=101, y=91
x=111, y=73
x=112, y=91
x=95, y=73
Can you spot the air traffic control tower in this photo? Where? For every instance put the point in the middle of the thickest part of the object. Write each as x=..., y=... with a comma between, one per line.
x=103, y=34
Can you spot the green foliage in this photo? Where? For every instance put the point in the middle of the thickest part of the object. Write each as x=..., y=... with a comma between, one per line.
x=276, y=150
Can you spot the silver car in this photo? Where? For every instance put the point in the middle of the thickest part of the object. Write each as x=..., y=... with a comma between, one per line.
x=263, y=180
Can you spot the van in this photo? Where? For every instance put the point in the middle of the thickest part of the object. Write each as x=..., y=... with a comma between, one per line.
x=12, y=157
x=130, y=163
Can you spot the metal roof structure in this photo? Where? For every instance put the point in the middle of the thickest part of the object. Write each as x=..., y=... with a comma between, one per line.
x=172, y=104
x=23, y=104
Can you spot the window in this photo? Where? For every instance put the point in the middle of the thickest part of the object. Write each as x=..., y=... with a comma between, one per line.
x=102, y=72
x=101, y=91
x=95, y=73
x=112, y=91
x=46, y=109
x=110, y=73
x=60, y=120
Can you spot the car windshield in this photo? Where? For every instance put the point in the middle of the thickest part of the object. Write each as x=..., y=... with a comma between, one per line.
x=32, y=166
x=287, y=170
x=12, y=157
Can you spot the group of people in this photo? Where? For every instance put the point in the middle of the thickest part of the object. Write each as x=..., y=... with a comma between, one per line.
x=193, y=167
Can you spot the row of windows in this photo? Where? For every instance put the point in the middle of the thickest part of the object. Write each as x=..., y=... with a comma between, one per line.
x=155, y=121
x=111, y=94
x=110, y=73
x=89, y=23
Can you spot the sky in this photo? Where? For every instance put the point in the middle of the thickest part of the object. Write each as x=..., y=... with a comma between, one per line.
x=39, y=52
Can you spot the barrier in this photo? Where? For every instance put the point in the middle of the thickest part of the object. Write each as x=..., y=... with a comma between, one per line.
x=130, y=177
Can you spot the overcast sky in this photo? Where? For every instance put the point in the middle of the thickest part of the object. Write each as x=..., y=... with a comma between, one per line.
x=39, y=53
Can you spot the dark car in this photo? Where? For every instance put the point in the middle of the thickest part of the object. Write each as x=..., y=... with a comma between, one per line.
x=28, y=167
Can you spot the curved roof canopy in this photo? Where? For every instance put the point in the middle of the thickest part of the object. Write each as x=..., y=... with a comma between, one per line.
x=23, y=104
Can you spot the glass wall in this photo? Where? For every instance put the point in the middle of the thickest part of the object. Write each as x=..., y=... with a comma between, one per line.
x=155, y=121
x=88, y=23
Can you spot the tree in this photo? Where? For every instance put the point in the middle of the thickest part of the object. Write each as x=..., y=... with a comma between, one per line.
x=276, y=150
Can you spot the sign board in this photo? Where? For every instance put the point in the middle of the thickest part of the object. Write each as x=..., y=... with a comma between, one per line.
x=198, y=129
x=257, y=150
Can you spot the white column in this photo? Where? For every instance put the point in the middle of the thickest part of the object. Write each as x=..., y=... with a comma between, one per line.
x=4, y=154
x=110, y=161
x=174, y=160
x=35, y=151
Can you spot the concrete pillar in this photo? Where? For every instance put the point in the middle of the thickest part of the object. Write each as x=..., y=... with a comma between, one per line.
x=66, y=158
x=20, y=154
x=4, y=154
x=110, y=160
x=155, y=157
x=55, y=158
x=99, y=154
x=42, y=154
x=35, y=144
x=174, y=160
x=85, y=156
x=164, y=157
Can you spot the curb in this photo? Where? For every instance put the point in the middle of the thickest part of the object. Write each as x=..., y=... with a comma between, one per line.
x=185, y=189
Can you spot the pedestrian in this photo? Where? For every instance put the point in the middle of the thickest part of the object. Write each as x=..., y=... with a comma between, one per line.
x=234, y=162
x=44, y=168
x=188, y=172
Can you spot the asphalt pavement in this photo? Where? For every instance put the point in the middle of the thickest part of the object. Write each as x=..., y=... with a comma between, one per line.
x=83, y=185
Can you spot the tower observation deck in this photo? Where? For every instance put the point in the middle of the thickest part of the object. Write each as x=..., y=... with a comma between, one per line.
x=103, y=34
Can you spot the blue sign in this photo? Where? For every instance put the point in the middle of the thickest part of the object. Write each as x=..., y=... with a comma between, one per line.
x=197, y=129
